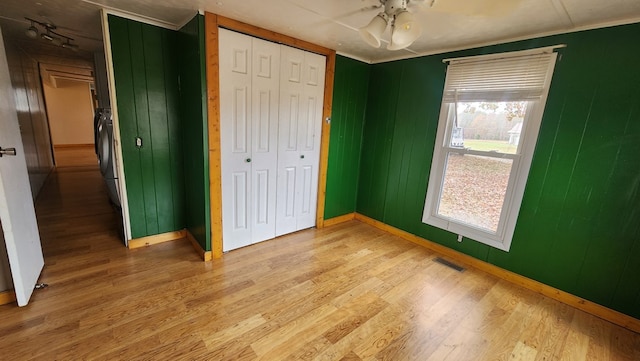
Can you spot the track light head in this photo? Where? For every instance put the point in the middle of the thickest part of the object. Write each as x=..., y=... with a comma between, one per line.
x=46, y=36
x=68, y=45
x=32, y=32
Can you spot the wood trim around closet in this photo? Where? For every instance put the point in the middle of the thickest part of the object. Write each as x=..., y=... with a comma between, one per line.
x=212, y=22
x=213, y=126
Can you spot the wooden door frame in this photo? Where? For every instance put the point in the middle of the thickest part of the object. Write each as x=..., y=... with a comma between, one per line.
x=212, y=23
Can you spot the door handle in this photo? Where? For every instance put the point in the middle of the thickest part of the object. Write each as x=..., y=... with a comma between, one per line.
x=248, y=160
x=302, y=156
x=7, y=151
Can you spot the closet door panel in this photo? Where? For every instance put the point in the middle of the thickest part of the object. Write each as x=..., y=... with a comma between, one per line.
x=291, y=112
x=265, y=86
x=236, y=138
x=310, y=126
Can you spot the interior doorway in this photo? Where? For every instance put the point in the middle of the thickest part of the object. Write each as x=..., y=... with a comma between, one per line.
x=55, y=105
x=70, y=106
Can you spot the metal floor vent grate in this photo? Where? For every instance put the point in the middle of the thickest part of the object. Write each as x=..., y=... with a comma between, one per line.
x=449, y=264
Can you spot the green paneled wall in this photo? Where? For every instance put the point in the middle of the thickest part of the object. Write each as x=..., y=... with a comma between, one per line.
x=194, y=129
x=351, y=81
x=378, y=131
x=146, y=81
x=579, y=225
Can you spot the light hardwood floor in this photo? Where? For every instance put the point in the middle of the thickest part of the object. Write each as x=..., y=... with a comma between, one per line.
x=346, y=292
x=81, y=155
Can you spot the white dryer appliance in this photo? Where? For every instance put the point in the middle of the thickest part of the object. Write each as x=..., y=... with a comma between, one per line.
x=105, y=149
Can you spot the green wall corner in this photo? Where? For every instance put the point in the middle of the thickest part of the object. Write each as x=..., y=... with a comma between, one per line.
x=193, y=110
x=351, y=82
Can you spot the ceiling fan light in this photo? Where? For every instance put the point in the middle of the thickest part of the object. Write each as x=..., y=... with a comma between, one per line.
x=32, y=32
x=372, y=33
x=393, y=46
x=404, y=32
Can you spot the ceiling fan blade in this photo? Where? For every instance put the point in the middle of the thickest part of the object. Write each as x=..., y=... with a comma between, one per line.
x=489, y=8
x=338, y=19
x=365, y=9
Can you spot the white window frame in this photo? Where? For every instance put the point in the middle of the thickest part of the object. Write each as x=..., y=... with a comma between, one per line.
x=501, y=239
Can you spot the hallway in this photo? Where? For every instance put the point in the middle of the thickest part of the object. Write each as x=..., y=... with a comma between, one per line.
x=73, y=210
x=91, y=275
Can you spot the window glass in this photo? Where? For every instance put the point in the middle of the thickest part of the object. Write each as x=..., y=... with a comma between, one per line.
x=474, y=189
x=488, y=126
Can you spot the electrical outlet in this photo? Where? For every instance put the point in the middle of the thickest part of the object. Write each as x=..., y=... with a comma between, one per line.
x=460, y=238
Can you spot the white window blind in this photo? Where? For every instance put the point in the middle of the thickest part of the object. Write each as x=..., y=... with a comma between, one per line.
x=518, y=77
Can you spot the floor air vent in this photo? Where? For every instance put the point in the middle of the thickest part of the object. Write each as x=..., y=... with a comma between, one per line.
x=449, y=264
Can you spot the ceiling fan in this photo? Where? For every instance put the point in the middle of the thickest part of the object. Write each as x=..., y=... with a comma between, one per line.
x=404, y=27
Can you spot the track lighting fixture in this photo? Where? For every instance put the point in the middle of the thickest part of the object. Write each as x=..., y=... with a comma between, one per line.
x=404, y=29
x=49, y=34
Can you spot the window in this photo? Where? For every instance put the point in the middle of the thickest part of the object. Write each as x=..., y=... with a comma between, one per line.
x=491, y=111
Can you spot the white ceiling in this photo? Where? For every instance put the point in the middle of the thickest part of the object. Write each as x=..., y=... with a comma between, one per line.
x=447, y=24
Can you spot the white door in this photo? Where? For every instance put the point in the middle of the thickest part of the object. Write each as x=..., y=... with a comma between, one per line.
x=265, y=85
x=235, y=138
x=301, y=102
x=16, y=203
x=249, y=82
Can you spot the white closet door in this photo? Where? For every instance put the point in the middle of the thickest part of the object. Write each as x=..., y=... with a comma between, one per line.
x=291, y=91
x=301, y=101
x=265, y=94
x=235, y=138
x=310, y=128
x=249, y=97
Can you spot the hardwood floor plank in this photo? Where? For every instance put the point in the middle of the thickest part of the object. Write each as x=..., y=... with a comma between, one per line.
x=523, y=352
x=77, y=155
x=310, y=350
x=577, y=342
x=219, y=337
x=624, y=346
x=361, y=309
x=351, y=357
x=384, y=321
x=381, y=334
x=346, y=292
x=152, y=349
x=550, y=335
x=299, y=332
x=433, y=324
x=599, y=338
